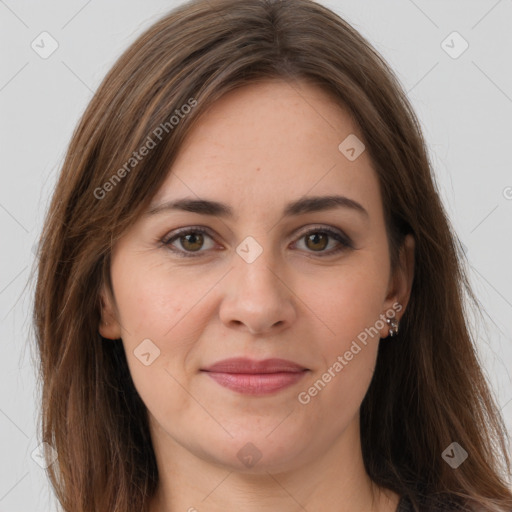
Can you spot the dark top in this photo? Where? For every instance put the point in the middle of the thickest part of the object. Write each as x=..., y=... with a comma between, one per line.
x=404, y=505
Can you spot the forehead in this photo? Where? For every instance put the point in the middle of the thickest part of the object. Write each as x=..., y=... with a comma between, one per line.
x=271, y=142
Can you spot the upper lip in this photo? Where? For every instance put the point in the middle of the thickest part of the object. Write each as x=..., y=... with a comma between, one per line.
x=245, y=365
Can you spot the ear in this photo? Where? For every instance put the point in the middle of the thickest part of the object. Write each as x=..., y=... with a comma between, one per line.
x=400, y=283
x=109, y=327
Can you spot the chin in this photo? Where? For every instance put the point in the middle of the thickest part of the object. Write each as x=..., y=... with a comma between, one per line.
x=259, y=454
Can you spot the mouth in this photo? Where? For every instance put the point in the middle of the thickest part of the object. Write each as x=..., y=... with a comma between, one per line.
x=248, y=376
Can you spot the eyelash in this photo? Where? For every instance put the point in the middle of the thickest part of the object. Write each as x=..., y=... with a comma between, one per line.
x=344, y=241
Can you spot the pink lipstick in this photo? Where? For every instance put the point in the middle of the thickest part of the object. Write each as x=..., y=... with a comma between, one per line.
x=253, y=377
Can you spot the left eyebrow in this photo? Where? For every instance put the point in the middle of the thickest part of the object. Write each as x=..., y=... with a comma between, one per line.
x=298, y=207
x=320, y=203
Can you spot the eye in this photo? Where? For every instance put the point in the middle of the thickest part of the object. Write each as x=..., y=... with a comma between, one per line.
x=191, y=241
x=317, y=240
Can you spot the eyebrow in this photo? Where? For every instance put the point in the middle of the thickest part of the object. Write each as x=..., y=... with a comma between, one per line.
x=298, y=207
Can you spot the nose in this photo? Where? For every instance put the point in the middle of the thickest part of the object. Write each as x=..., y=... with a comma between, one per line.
x=257, y=298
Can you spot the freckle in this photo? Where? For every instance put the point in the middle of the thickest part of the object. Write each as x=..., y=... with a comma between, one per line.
x=257, y=169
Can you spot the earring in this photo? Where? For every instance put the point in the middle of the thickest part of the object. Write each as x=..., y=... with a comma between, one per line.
x=393, y=326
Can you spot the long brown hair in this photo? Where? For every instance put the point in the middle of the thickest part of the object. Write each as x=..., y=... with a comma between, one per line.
x=428, y=389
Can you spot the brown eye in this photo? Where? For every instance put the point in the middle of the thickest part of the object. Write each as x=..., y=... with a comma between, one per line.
x=189, y=242
x=317, y=241
x=192, y=242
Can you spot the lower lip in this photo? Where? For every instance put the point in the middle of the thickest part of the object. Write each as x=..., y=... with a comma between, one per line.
x=256, y=383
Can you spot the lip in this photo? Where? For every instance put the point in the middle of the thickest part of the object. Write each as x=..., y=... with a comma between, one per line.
x=249, y=376
x=246, y=365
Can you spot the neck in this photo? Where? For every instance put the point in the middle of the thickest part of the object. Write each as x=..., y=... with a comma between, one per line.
x=335, y=481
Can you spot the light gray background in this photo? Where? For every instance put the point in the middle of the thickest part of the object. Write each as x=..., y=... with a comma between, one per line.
x=464, y=105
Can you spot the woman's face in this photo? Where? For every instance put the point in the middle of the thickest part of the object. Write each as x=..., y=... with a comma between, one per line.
x=244, y=279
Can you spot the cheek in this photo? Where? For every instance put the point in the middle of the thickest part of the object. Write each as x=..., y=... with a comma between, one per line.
x=158, y=304
x=148, y=304
x=337, y=388
x=154, y=299
x=350, y=305
x=153, y=309
x=349, y=302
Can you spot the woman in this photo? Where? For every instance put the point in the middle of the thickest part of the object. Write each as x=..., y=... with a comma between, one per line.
x=249, y=294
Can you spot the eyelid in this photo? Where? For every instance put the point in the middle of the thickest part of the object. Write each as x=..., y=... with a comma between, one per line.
x=335, y=232
x=183, y=231
x=177, y=233
x=343, y=240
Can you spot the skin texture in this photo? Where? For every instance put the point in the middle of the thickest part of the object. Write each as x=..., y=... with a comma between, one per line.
x=257, y=149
